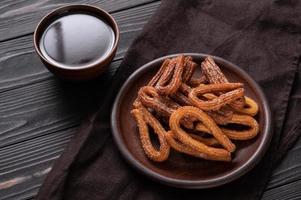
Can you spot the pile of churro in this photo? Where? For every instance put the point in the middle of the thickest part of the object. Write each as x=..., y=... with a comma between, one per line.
x=198, y=115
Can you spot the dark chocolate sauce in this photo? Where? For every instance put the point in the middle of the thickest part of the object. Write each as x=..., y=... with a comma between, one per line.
x=76, y=40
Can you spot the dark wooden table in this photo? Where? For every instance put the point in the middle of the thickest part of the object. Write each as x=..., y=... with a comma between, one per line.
x=39, y=114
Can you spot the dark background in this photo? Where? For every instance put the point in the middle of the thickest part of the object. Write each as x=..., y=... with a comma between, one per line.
x=39, y=113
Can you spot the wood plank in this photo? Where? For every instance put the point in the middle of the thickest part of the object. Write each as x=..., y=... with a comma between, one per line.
x=290, y=191
x=289, y=169
x=18, y=18
x=18, y=156
x=30, y=187
x=25, y=166
x=26, y=102
x=27, y=159
x=20, y=66
x=45, y=107
x=37, y=118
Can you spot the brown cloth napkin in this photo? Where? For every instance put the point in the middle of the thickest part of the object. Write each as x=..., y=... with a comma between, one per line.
x=262, y=37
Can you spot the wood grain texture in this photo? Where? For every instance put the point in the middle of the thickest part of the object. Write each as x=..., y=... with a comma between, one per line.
x=20, y=66
x=26, y=102
x=25, y=165
x=289, y=191
x=19, y=18
x=289, y=169
x=39, y=114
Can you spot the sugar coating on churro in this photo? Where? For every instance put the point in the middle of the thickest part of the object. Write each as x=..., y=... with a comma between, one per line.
x=194, y=116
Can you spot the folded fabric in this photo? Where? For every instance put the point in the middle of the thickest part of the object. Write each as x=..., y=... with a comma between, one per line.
x=262, y=37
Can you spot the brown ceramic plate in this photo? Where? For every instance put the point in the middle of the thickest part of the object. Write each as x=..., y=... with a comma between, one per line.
x=181, y=170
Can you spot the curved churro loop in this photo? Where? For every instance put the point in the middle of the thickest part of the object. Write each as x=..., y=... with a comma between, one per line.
x=245, y=134
x=158, y=75
x=221, y=116
x=150, y=98
x=214, y=104
x=250, y=108
x=171, y=79
x=155, y=78
x=245, y=120
x=174, y=123
x=207, y=141
x=238, y=103
x=180, y=147
x=144, y=118
x=215, y=75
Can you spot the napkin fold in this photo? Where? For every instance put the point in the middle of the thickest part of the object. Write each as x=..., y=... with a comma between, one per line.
x=262, y=37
